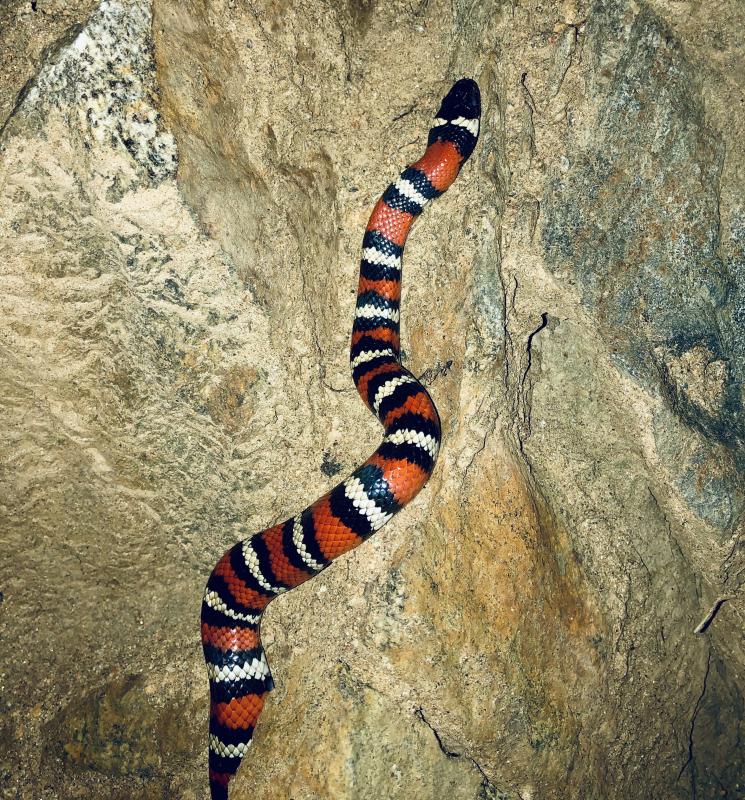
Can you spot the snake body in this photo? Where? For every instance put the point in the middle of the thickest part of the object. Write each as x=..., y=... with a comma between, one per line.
x=277, y=559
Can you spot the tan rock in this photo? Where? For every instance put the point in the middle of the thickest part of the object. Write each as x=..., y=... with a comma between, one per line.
x=184, y=189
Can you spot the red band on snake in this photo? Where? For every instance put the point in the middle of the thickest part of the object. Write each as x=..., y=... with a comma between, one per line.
x=279, y=558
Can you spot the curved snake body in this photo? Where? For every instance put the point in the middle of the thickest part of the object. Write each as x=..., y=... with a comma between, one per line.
x=271, y=562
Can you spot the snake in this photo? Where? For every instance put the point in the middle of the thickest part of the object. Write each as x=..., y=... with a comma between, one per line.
x=257, y=569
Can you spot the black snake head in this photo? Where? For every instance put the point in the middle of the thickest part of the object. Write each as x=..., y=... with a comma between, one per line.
x=463, y=100
x=457, y=121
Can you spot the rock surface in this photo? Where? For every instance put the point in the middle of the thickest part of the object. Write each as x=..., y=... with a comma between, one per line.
x=184, y=186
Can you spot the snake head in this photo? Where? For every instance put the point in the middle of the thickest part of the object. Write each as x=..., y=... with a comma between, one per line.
x=463, y=100
x=457, y=121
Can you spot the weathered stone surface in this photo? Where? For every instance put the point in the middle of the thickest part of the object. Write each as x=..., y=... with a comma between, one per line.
x=184, y=187
x=32, y=31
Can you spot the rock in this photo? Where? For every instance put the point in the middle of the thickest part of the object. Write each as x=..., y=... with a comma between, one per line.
x=184, y=187
x=653, y=164
x=110, y=730
x=31, y=32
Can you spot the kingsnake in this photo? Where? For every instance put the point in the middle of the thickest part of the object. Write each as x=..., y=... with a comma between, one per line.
x=271, y=562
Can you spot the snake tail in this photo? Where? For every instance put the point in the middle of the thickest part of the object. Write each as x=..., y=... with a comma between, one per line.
x=277, y=559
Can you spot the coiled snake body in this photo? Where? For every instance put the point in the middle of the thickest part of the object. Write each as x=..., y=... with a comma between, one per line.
x=279, y=558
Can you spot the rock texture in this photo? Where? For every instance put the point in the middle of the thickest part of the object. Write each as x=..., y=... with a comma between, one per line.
x=184, y=186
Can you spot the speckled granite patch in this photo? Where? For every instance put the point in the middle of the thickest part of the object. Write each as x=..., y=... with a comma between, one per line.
x=106, y=77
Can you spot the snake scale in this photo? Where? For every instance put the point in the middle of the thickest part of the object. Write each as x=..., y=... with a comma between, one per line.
x=277, y=559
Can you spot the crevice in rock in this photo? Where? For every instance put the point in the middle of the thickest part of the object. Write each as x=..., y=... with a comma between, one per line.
x=529, y=348
x=507, y=306
x=524, y=403
x=529, y=97
x=691, y=760
x=438, y=738
x=709, y=618
x=345, y=50
x=486, y=785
